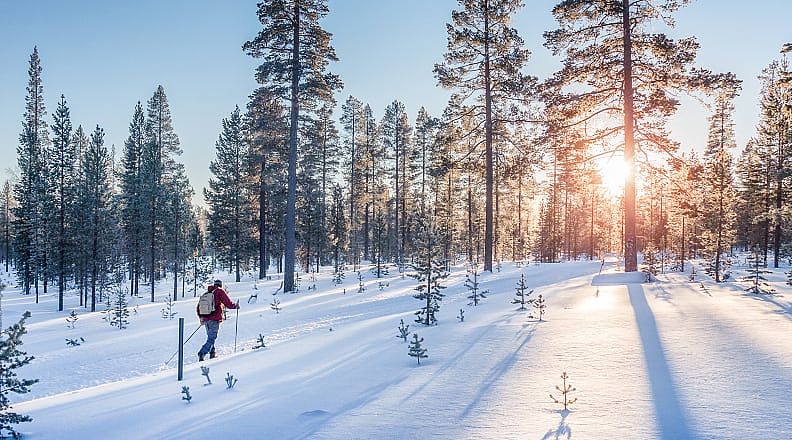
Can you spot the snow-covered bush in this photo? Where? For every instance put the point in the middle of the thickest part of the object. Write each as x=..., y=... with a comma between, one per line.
x=275, y=305
x=71, y=320
x=338, y=276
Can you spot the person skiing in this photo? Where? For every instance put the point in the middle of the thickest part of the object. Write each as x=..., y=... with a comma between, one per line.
x=212, y=320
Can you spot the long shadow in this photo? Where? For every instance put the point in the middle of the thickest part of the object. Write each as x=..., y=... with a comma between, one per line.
x=668, y=409
x=562, y=432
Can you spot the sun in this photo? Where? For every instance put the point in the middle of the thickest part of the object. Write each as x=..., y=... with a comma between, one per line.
x=613, y=171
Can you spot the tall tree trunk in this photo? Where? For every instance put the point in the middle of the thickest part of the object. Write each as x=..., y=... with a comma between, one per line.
x=291, y=199
x=630, y=248
x=262, y=222
x=488, y=223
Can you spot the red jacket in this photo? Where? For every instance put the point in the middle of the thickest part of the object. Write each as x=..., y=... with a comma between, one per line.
x=221, y=299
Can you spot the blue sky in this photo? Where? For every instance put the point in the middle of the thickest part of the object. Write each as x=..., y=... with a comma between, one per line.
x=105, y=55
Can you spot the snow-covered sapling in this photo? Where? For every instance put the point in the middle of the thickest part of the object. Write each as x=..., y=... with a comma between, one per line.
x=758, y=283
x=430, y=270
x=186, y=391
x=119, y=314
x=259, y=342
x=12, y=358
x=275, y=305
x=521, y=294
x=382, y=285
x=253, y=295
x=205, y=372
x=461, y=315
x=361, y=285
x=416, y=350
x=167, y=311
x=338, y=276
x=297, y=279
x=539, y=305
x=404, y=330
x=71, y=320
x=565, y=389
x=313, y=281
x=74, y=342
x=650, y=259
x=230, y=381
x=472, y=284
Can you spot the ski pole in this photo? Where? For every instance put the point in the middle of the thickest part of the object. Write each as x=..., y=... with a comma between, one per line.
x=188, y=340
x=236, y=327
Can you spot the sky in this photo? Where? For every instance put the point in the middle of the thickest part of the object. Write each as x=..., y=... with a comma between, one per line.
x=105, y=55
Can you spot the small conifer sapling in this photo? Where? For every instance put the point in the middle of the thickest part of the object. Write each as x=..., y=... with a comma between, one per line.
x=186, y=394
x=275, y=305
x=472, y=284
x=230, y=381
x=361, y=285
x=521, y=297
x=260, y=342
x=461, y=316
x=205, y=372
x=416, y=350
x=539, y=305
x=404, y=330
x=167, y=311
x=71, y=320
x=564, y=389
x=74, y=342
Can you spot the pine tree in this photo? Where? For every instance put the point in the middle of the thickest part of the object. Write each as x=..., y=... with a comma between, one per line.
x=718, y=218
x=521, y=297
x=6, y=220
x=337, y=227
x=472, y=284
x=12, y=358
x=160, y=146
x=352, y=121
x=430, y=270
x=275, y=305
x=64, y=160
x=396, y=135
x=296, y=52
x=30, y=190
x=119, y=316
x=650, y=258
x=416, y=350
x=617, y=69
x=758, y=282
x=131, y=195
x=484, y=64
x=230, y=204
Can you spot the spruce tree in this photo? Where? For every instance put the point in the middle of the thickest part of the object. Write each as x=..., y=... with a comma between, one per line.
x=337, y=228
x=12, y=358
x=64, y=160
x=615, y=68
x=484, y=64
x=296, y=52
x=472, y=284
x=352, y=121
x=231, y=209
x=119, y=316
x=430, y=271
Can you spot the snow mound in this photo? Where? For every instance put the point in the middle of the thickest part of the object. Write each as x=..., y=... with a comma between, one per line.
x=618, y=278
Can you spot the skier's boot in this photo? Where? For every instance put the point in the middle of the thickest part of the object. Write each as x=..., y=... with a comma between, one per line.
x=212, y=354
x=200, y=357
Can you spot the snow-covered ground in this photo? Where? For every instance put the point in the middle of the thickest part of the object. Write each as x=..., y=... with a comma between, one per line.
x=660, y=360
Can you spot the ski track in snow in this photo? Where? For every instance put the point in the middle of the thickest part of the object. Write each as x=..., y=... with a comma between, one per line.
x=661, y=360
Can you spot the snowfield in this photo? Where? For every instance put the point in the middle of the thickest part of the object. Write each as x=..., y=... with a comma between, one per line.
x=660, y=360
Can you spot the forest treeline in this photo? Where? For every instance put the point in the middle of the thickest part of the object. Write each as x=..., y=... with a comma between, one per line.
x=511, y=169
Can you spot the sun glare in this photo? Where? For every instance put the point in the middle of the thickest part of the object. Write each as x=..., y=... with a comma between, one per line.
x=613, y=171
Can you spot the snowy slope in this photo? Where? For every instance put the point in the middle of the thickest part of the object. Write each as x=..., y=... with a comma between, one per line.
x=657, y=360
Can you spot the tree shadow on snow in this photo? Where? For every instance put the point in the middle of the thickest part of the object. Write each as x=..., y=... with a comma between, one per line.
x=668, y=409
x=563, y=431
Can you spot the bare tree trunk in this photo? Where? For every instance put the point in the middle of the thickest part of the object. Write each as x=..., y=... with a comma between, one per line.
x=630, y=248
x=291, y=199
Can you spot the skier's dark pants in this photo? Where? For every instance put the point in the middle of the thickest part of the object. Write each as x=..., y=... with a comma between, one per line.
x=211, y=334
